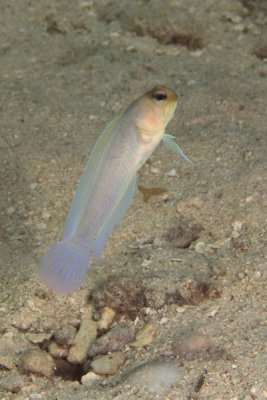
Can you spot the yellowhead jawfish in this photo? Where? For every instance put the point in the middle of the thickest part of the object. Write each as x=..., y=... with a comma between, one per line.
x=107, y=186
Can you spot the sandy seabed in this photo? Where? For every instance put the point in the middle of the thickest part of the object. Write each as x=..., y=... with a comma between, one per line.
x=67, y=67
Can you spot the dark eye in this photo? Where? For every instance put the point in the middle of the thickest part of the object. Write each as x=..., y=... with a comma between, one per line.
x=160, y=95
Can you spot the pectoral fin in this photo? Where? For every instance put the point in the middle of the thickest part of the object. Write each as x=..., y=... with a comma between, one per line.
x=170, y=143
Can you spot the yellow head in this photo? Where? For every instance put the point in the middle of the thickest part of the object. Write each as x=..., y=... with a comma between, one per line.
x=156, y=109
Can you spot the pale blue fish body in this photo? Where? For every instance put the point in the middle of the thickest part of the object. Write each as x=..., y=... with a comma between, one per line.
x=106, y=188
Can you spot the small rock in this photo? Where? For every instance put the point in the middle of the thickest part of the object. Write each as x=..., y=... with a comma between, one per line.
x=204, y=249
x=46, y=215
x=218, y=244
x=13, y=382
x=144, y=263
x=195, y=202
x=154, y=170
x=90, y=378
x=194, y=347
x=85, y=4
x=58, y=351
x=258, y=393
x=163, y=321
x=33, y=185
x=155, y=298
x=157, y=242
x=239, y=27
x=196, y=53
x=8, y=351
x=78, y=23
x=107, y=317
x=125, y=295
x=31, y=304
x=152, y=191
x=109, y=364
x=65, y=335
x=36, y=396
x=156, y=376
x=172, y=173
x=237, y=227
x=41, y=293
x=10, y=210
x=114, y=340
x=84, y=339
x=184, y=233
x=241, y=244
x=146, y=336
x=23, y=322
x=228, y=16
x=194, y=292
x=212, y=312
x=38, y=338
x=130, y=49
x=37, y=362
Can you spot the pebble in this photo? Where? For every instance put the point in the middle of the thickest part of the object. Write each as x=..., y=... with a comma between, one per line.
x=156, y=376
x=172, y=173
x=41, y=293
x=107, y=317
x=218, y=244
x=85, y=4
x=58, y=351
x=90, y=378
x=196, y=53
x=146, y=336
x=157, y=242
x=84, y=339
x=257, y=393
x=10, y=210
x=212, y=312
x=37, y=362
x=108, y=364
x=65, y=335
x=183, y=233
x=131, y=49
x=194, y=292
x=33, y=185
x=236, y=19
x=194, y=347
x=12, y=382
x=239, y=27
x=36, y=396
x=155, y=299
x=31, y=304
x=237, y=227
x=195, y=202
x=154, y=170
x=164, y=321
x=204, y=249
x=124, y=294
x=114, y=340
x=38, y=338
x=9, y=348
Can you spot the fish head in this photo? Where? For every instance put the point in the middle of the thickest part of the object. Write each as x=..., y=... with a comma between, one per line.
x=156, y=109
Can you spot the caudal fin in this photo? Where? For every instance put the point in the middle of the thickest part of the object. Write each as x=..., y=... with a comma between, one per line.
x=64, y=266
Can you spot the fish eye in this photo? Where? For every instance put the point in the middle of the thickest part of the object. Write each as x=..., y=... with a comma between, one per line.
x=160, y=95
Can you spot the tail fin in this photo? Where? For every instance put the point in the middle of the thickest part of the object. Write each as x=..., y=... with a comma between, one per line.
x=64, y=266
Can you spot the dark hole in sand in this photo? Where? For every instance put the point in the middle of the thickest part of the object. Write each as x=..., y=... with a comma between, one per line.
x=68, y=371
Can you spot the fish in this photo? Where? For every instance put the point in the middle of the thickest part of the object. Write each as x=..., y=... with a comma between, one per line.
x=107, y=186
